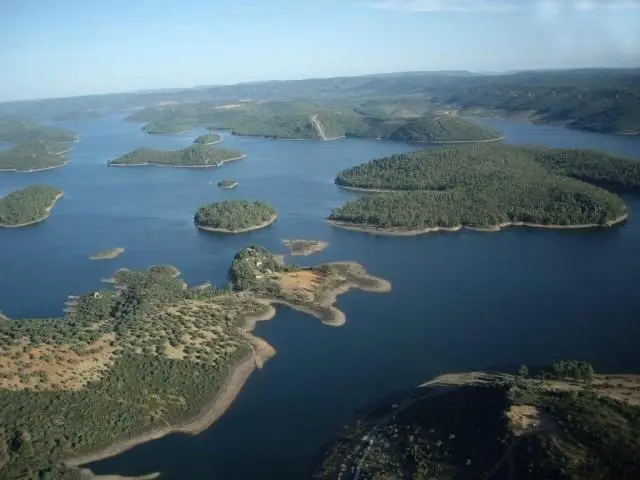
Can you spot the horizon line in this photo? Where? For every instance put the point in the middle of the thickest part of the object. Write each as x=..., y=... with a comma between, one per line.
x=257, y=82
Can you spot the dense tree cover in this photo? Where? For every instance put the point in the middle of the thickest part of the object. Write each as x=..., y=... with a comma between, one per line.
x=227, y=183
x=208, y=139
x=28, y=205
x=33, y=155
x=550, y=201
x=233, y=215
x=604, y=101
x=426, y=128
x=592, y=166
x=166, y=127
x=35, y=146
x=145, y=387
x=20, y=131
x=478, y=185
x=446, y=168
x=193, y=156
x=289, y=120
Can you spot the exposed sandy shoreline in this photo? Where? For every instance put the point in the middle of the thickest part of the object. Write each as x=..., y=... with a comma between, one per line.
x=151, y=164
x=108, y=254
x=49, y=208
x=211, y=410
x=15, y=170
x=495, y=228
x=238, y=374
x=370, y=190
x=242, y=230
x=456, y=142
x=325, y=310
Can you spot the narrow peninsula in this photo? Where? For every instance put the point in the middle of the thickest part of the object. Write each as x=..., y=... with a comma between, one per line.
x=558, y=422
x=28, y=206
x=304, y=247
x=234, y=216
x=150, y=357
x=227, y=184
x=195, y=156
x=108, y=254
x=482, y=187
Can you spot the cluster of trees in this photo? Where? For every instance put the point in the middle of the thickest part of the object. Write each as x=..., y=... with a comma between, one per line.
x=251, y=269
x=20, y=131
x=576, y=369
x=425, y=128
x=143, y=389
x=28, y=205
x=233, y=215
x=208, y=139
x=479, y=185
x=591, y=166
x=193, y=156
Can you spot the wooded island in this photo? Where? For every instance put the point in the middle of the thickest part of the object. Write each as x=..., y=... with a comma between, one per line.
x=478, y=186
x=234, y=216
x=28, y=206
x=195, y=156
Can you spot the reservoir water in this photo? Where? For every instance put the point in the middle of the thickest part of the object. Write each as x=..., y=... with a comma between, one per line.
x=460, y=301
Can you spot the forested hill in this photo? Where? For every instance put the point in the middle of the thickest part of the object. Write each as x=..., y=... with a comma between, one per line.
x=196, y=156
x=34, y=155
x=466, y=166
x=34, y=146
x=303, y=120
x=28, y=205
x=477, y=186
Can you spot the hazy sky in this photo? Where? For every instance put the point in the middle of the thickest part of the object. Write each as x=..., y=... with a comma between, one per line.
x=51, y=48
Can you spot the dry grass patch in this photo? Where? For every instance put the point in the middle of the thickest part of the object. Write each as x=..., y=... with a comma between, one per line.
x=301, y=284
x=528, y=419
x=625, y=388
x=55, y=367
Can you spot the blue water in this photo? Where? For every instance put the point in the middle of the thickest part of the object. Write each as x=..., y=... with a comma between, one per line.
x=459, y=301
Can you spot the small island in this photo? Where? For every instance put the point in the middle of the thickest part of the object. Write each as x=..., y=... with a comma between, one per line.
x=234, y=216
x=304, y=247
x=208, y=139
x=28, y=206
x=195, y=156
x=148, y=358
x=107, y=254
x=227, y=184
x=563, y=421
x=481, y=187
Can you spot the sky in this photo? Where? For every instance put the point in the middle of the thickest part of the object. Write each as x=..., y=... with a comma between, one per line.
x=58, y=48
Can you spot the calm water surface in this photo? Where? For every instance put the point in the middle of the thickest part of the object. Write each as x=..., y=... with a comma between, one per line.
x=459, y=301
